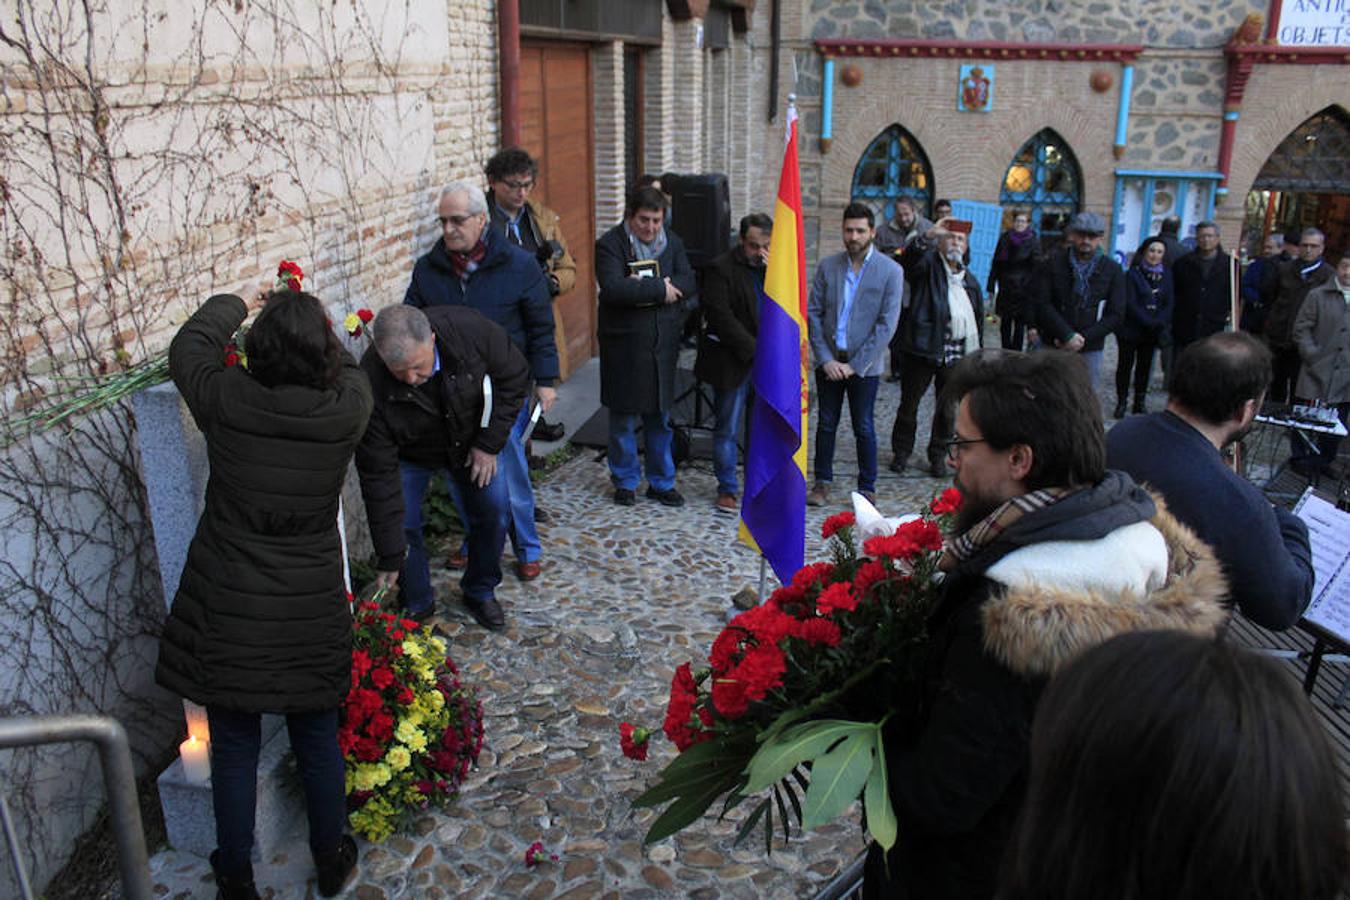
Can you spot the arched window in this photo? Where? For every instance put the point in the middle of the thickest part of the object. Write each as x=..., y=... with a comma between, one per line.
x=1314, y=158
x=1044, y=178
x=893, y=166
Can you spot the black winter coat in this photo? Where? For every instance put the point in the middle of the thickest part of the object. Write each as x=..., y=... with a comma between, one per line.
x=1014, y=270
x=730, y=303
x=1059, y=312
x=1148, y=313
x=1288, y=288
x=260, y=622
x=958, y=773
x=922, y=328
x=639, y=332
x=1203, y=304
x=508, y=287
x=437, y=423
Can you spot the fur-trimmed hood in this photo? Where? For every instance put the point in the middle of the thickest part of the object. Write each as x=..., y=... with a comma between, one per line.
x=1059, y=598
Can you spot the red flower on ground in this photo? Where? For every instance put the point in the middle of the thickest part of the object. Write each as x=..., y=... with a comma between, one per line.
x=838, y=596
x=949, y=501
x=633, y=740
x=759, y=671
x=680, y=710
x=836, y=522
x=365, y=315
x=535, y=854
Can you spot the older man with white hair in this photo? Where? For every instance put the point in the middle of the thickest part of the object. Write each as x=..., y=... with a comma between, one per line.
x=474, y=265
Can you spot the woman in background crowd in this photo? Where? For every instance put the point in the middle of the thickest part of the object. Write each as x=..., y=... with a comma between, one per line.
x=261, y=621
x=1165, y=765
x=1015, y=260
x=1148, y=310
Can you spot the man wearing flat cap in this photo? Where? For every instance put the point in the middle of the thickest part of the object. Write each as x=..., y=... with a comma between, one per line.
x=939, y=325
x=1080, y=294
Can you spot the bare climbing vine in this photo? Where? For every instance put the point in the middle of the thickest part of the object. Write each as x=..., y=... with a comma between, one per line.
x=151, y=152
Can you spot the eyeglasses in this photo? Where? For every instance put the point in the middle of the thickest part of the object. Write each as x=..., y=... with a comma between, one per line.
x=518, y=185
x=457, y=221
x=955, y=444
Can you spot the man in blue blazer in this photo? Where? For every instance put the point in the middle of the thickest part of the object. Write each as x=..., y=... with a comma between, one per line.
x=851, y=315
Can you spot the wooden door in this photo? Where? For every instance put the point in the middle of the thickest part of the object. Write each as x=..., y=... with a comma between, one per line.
x=555, y=127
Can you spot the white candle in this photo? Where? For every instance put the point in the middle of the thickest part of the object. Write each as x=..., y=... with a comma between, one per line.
x=196, y=759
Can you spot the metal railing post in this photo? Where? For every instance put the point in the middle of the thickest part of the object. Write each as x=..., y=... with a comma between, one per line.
x=119, y=779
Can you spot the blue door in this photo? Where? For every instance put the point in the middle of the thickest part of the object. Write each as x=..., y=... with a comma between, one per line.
x=987, y=219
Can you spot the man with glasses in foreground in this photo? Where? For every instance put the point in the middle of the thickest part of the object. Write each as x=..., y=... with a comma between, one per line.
x=475, y=266
x=512, y=175
x=1052, y=554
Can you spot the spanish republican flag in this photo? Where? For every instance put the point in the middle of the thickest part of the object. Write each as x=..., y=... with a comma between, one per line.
x=773, y=513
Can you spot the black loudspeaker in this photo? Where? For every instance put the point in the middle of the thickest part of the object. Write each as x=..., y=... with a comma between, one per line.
x=701, y=215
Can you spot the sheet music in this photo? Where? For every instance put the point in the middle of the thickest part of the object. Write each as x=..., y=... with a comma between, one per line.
x=1329, y=534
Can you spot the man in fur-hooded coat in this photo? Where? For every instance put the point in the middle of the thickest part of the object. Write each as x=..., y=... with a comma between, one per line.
x=1054, y=554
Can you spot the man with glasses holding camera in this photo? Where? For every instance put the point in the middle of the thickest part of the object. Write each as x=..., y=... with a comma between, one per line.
x=532, y=226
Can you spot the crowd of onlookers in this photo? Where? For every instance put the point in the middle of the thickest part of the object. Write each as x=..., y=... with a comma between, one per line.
x=1157, y=762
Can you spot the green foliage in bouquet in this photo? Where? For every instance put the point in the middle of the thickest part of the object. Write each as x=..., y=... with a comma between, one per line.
x=798, y=690
x=410, y=730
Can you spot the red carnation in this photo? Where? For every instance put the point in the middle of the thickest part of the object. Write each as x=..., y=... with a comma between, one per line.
x=382, y=677
x=289, y=276
x=535, y=854
x=360, y=662
x=810, y=574
x=819, y=631
x=633, y=740
x=838, y=596
x=760, y=671
x=365, y=315
x=835, y=523
x=869, y=573
x=949, y=501
x=231, y=358
x=368, y=750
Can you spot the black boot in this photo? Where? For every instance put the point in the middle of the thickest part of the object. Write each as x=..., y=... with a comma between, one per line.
x=1139, y=408
x=1119, y=412
x=235, y=885
x=334, y=868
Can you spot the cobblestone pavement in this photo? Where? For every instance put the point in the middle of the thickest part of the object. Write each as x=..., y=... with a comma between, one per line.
x=626, y=595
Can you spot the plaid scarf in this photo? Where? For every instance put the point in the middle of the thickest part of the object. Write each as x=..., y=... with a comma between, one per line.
x=1082, y=276
x=465, y=264
x=985, y=531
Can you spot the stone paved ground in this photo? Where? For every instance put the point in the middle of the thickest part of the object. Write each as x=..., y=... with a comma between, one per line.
x=626, y=595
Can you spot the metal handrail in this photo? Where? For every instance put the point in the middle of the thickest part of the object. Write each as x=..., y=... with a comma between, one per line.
x=119, y=779
x=847, y=885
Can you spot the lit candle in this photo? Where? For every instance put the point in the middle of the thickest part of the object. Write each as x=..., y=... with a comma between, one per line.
x=196, y=759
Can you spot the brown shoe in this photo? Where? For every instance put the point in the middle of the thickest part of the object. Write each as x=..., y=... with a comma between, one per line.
x=819, y=494
x=726, y=503
x=527, y=571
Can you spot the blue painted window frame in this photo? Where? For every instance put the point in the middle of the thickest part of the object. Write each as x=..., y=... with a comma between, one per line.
x=1040, y=197
x=897, y=141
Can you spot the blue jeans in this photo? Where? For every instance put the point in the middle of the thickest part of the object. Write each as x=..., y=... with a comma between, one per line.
x=862, y=396
x=728, y=407
x=235, y=742
x=624, y=469
x=488, y=509
x=513, y=466
x=1093, y=358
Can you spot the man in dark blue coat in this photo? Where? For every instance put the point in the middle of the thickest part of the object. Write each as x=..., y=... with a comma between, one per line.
x=1217, y=387
x=474, y=265
x=646, y=290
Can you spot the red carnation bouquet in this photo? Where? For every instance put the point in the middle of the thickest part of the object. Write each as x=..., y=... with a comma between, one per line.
x=410, y=730
x=791, y=704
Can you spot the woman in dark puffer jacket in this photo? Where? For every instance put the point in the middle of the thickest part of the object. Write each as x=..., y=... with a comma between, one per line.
x=261, y=622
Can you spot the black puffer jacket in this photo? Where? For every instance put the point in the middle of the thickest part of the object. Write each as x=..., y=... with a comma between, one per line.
x=260, y=622
x=436, y=424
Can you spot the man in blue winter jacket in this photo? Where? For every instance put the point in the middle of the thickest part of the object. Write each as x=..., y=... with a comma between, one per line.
x=474, y=265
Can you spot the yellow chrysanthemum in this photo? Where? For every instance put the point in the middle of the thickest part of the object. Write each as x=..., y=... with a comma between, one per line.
x=398, y=757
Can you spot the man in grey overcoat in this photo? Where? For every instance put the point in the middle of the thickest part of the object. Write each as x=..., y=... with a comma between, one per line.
x=1322, y=333
x=851, y=315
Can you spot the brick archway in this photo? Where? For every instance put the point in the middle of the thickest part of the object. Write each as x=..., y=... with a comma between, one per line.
x=1278, y=100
